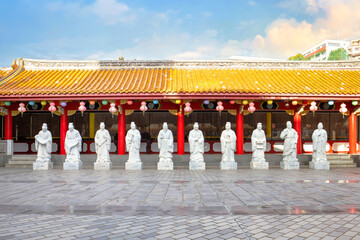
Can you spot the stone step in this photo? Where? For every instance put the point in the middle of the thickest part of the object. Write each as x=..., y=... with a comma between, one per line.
x=18, y=165
x=352, y=165
x=26, y=162
x=24, y=157
x=338, y=156
x=340, y=161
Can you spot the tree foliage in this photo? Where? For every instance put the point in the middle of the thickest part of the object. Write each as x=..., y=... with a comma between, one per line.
x=297, y=57
x=338, y=54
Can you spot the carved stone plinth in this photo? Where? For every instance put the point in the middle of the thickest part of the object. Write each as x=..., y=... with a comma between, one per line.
x=290, y=165
x=196, y=165
x=73, y=165
x=102, y=165
x=228, y=165
x=319, y=165
x=43, y=165
x=259, y=165
x=165, y=165
x=133, y=165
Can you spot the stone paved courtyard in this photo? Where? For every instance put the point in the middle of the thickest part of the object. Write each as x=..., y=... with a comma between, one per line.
x=180, y=204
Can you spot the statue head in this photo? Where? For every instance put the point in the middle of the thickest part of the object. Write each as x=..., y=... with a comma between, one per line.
x=71, y=126
x=228, y=125
x=44, y=127
x=132, y=125
x=320, y=125
x=102, y=125
x=259, y=126
x=196, y=125
x=289, y=124
x=165, y=126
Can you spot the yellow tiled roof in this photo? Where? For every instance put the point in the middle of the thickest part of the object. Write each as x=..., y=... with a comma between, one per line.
x=4, y=73
x=178, y=81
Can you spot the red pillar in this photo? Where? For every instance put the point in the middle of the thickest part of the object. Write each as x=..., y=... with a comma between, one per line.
x=239, y=132
x=297, y=127
x=352, y=133
x=8, y=126
x=63, y=130
x=180, y=131
x=121, y=132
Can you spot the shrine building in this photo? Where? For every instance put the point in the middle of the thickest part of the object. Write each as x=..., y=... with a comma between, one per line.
x=56, y=92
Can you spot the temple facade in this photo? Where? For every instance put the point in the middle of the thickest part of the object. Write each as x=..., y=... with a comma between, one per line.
x=33, y=92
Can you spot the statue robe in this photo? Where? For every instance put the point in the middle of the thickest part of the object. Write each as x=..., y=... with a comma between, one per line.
x=102, y=145
x=319, y=138
x=258, y=145
x=166, y=145
x=43, y=145
x=133, y=141
x=228, y=145
x=73, y=146
x=196, y=142
x=291, y=138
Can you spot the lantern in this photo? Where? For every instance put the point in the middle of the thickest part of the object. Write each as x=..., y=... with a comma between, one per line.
x=294, y=102
x=43, y=103
x=82, y=108
x=313, y=107
x=187, y=108
x=206, y=102
x=331, y=102
x=219, y=107
x=7, y=103
x=251, y=107
x=129, y=102
x=354, y=103
x=112, y=109
x=178, y=101
x=92, y=102
x=245, y=102
x=143, y=107
x=31, y=103
x=155, y=101
x=63, y=104
x=22, y=108
x=104, y=102
x=52, y=108
x=270, y=102
x=232, y=101
x=343, y=109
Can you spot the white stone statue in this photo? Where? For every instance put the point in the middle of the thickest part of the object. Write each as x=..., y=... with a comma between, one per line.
x=196, y=143
x=133, y=142
x=228, y=148
x=102, y=144
x=228, y=144
x=43, y=144
x=258, y=144
x=166, y=147
x=73, y=143
x=290, y=137
x=319, y=138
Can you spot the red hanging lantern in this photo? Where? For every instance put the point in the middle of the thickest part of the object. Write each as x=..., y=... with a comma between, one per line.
x=187, y=108
x=82, y=108
x=143, y=107
x=112, y=109
x=22, y=108
x=251, y=107
x=52, y=108
x=129, y=102
x=232, y=101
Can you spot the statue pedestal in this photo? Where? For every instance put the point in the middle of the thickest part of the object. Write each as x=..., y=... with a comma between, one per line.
x=319, y=165
x=73, y=165
x=102, y=165
x=259, y=165
x=196, y=165
x=165, y=165
x=42, y=165
x=290, y=165
x=228, y=165
x=133, y=165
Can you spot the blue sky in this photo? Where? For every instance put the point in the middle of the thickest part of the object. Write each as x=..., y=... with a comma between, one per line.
x=198, y=29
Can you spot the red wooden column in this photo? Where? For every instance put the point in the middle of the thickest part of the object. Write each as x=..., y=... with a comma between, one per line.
x=180, y=130
x=297, y=127
x=352, y=133
x=63, y=130
x=121, y=130
x=8, y=126
x=239, y=132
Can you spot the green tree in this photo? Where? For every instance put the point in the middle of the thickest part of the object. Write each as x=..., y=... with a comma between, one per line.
x=297, y=57
x=121, y=58
x=338, y=54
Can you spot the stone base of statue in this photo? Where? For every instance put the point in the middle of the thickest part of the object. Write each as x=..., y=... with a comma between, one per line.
x=289, y=165
x=259, y=165
x=196, y=165
x=227, y=165
x=319, y=165
x=165, y=165
x=133, y=165
x=102, y=165
x=43, y=165
x=73, y=165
